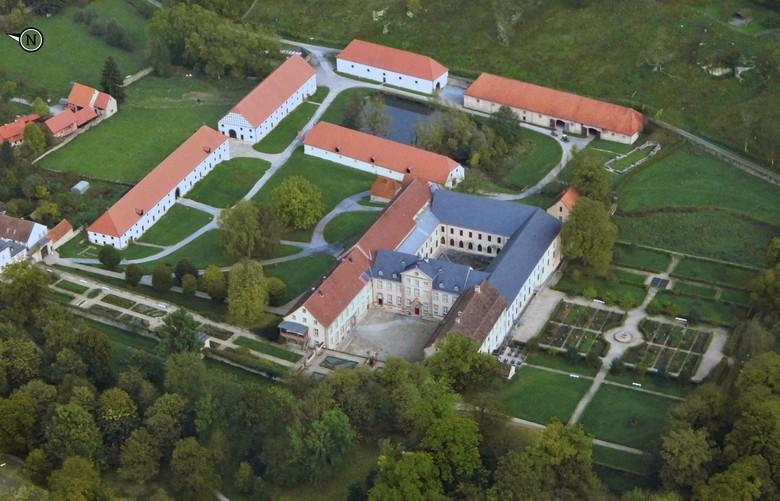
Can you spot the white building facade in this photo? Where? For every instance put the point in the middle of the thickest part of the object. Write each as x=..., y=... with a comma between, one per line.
x=380, y=75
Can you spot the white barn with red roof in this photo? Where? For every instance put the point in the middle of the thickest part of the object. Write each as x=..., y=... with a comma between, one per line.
x=150, y=199
x=380, y=156
x=553, y=108
x=395, y=67
x=273, y=99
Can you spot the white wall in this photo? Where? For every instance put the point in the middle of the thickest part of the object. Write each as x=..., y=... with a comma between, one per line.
x=546, y=120
x=390, y=77
x=38, y=232
x=220, y=154
x=351, y=162
x=244, y=131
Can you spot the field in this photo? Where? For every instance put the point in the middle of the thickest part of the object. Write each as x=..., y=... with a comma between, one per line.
x=287, y=130
x=544, y=155
x=177, y=224
x=530, y=395
x=609, y=416
x=336, y=182
x=299, y=274
x=61, y=59
x=158, y=115
x=641, y=259
x=228, y=182
x=620, y=41
x=347, y=225
x=709, y=234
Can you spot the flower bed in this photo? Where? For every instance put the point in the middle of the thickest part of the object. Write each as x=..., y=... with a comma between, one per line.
x=118, y=301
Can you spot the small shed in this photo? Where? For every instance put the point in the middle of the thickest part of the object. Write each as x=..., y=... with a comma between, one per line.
x=80, y=188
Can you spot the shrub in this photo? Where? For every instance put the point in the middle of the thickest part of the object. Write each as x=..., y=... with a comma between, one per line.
x=617, y=366
x=589, y=293
x=109, y=257
x=593, y=361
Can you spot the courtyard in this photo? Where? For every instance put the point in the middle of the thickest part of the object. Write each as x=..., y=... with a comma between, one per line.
x=390, y=335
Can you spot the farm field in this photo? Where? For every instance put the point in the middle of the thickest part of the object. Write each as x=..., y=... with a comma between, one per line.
x=228, y=182
x=158, y=115
x=541, y=396
x=61, y=60
x=299, y=274
x=347, y=225
x=537, y=52
x=178, y=223
x=609, y=416
x=287, y=130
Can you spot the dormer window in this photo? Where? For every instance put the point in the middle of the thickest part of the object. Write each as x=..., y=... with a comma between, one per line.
x=395, y=275
x=373, y=159
x=455, y=288
x=338, y=149
x=381, y=273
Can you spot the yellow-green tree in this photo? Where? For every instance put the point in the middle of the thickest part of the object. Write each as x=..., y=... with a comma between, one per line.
x=247, y=295
x=297, y=202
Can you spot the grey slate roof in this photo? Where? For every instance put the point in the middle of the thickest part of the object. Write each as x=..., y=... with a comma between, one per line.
x=477, y=213
x=14, y=247
x=446, y=275
x=425, y=224
x=512, y=267
x=294, y=327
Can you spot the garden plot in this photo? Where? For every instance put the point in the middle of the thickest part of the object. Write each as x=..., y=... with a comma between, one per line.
x=579, y=326
x=670, y=348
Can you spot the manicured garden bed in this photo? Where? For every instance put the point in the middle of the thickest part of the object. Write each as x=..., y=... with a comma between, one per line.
x=71, y=287
x=118, y=301
x=632, y=256
x=268, y=349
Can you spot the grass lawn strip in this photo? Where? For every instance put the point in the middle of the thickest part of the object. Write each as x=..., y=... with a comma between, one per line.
x=177, y=224
x=714, y=273
x=617, y=290
x=609, y=416
x=635, y=463
x=228, y=182
x=118, y=301
x=641, y=259
x=79, y=247
x=299, y=274
x=72, y=287
x=694, y=290
x=287, y=130
x=540, y=396
x=544, y=155
x=347, y=225
x=268, y=349
x=201, y=252
x=102, y=311
x=736, y=296
x=60, y=297
x=320, y=95
x=136, y=251
x=708, y=310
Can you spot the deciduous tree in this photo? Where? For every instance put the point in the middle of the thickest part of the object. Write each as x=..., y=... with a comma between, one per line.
x=373, y=118
x=33, y=139
x=588, y=236
x=214, y=282
x=249, y=230
x=133, y=274
x=76, y=479
x=297, y=202
x=453, y=443
x=591, y=179
x=189, y=285
x=412, y=476
x=687, y=455
x=109, y=256
x=72, y=431
x=18, y=414
x=178, y=333
x=192, y=470
x=247, y=296
x=139, y=460
x=19, y=361
x=458, y=363
x=161, y=278
x=117, y=416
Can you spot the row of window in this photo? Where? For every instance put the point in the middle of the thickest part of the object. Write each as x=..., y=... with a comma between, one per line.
x=471, y=235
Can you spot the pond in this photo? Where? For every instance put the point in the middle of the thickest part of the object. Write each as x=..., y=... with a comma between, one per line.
x=405, y=113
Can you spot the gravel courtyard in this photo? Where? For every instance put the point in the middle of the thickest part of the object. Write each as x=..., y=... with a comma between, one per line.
x=391, y=335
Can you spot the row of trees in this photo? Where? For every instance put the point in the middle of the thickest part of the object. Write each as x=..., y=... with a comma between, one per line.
x=111, y=31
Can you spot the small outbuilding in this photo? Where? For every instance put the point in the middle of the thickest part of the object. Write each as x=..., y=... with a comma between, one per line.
x=80, y=188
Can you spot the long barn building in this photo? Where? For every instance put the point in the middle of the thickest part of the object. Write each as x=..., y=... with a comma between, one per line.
x=553, y=108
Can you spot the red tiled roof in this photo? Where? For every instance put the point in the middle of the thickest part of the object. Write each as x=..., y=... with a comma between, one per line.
x=556, y=103
x=102, y=100
x=329, y=297
x=13, y=131
x=59, y=231
x=158, y=183
x=570, y=196
x=272, y=92
x=390, y=59
x=81, y=95
x=384, y=187
x=473, y=314
x=424, y=165
x=61, y=121
x=84, y=115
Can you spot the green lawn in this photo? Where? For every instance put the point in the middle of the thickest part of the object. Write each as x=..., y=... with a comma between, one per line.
x=269, y=349
x=136, y=251
x=241, y=375
x=691, y=178
x=287, y=130
x=70, y=286
x=622, y=460
x=299, y=274
x=615, y=148
x=540, y=396
x=347, y=225
x=544, y=154
x=694, y=290
x=124, y=343
x=618, y=290
x=608, y=416
x=705, y=233
x=631, y=256
x=158, y=115
x=707, y=310
x=737, y=296
x=538, y=200
x=320, y=95
x=228, y=182
x=559, y=362
x=335, y=112
x=61, y=60
x=714, y=273
x=177, y=224
x=651, y=382
x=80, y=247
x=201, y=252
x=336, y=182
x=630, y=159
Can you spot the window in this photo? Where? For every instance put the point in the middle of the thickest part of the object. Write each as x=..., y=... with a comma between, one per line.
x=425, y=294
x=490, y=238
x=470, y=235
x=317, y=332
x=389, y=299
x=408, y=291
x=560, y=209
x=461, y=232
x=398, y=300
x=435, y=296
x=416, y=292
x=416, y=283
x=425, y=307
x=435, y=309
x=445, y=310
x=445, y=298
x=398, y=288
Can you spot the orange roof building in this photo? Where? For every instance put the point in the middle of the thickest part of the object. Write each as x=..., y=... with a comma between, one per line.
x=14, y=131
x=273, y=99
x=563, y=206
x=62, y=124
x=150, y=199
x=553, y=108
x=380, y=156
x=384, y=189
x=394, y=67
x=82, y=96
x=60, y=234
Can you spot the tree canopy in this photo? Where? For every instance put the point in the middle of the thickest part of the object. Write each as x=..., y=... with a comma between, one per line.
x=297, y=202
x=178, y=333
x=588, y=236
x=247, y=295
x=249, y=231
